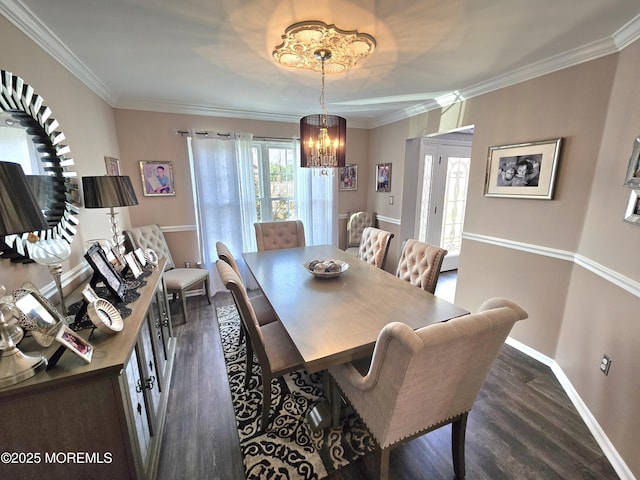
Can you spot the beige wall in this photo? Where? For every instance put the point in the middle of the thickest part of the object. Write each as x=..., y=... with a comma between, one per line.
x=89, y=127
x=577, y=313
x=151, y=136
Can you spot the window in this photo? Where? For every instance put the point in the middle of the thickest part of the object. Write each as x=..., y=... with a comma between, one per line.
x=274, y=178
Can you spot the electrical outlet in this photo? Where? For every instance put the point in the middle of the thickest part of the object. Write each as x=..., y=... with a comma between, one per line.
x=605, y=364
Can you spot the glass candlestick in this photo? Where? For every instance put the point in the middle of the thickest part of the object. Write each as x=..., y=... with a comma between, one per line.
x=52, y=253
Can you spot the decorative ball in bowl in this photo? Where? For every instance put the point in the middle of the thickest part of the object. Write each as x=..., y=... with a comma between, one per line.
x=326, y=268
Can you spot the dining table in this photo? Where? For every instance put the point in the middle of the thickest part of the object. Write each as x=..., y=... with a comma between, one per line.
x=335, y=320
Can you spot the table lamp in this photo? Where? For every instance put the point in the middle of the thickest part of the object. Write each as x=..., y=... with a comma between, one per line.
x=19, y=213
x=109, y=192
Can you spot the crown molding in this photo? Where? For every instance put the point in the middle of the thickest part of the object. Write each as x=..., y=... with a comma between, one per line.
x=24, y=19
x=18, y=14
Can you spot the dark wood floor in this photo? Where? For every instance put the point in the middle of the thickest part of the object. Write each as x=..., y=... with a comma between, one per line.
x=523, y=426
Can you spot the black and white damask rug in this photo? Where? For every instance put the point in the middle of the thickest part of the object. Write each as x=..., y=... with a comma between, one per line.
x=288, y=449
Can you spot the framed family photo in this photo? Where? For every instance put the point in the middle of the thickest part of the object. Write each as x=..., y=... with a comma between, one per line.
x=383, y=177
x=633, y=172
x=348, y=177
x=632, y=215
x=113, y=166
x=157, y=178
x=525, y=170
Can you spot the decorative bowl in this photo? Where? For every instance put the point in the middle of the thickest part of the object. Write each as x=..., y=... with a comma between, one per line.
x=326, y=268
x=105, y=316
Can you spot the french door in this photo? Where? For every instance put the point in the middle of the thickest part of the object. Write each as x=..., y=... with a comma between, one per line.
x=442, y=196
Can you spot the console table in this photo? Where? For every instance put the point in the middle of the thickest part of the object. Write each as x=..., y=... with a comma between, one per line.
x=99, y=420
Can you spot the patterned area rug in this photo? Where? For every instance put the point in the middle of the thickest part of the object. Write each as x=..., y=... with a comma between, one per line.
x=288, y=449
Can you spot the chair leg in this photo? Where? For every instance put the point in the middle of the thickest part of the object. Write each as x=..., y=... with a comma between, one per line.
x=458, y=433
x=266, y=402
x=382, y=462
x=183, y=299
x=207, y=290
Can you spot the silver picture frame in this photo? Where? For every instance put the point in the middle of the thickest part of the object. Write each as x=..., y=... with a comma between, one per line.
x=633, y=171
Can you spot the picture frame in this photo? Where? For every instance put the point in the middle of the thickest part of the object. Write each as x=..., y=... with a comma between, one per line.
x=633, y=171
x=632, y=214
x=133, y=264
x=139, y=254
x=348, y=179
x=74, y=342
x=104, y=271
x=113, y=166
x=383, y=177
x=37, y=314
x=157, y=178
x=524, y=170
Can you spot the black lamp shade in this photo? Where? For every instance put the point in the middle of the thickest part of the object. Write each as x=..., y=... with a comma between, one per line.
x=108, y=191
x=19, y=210
x=312, y=129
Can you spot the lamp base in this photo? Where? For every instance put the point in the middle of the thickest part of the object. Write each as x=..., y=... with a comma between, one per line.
x=16, y=367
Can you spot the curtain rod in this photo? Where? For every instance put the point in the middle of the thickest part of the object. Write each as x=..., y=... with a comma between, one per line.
x=186, y=133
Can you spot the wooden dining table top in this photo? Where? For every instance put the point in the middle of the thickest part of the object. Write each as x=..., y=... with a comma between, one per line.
x=335, y=320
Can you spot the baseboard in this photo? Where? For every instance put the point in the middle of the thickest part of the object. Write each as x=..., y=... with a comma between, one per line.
x=590, y=421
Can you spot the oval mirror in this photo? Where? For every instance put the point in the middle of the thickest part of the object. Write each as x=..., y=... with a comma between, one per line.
x=29, y=136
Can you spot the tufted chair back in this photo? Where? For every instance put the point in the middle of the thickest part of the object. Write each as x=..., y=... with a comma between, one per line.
x=420, y=264
x=149, y=236
x=374, y=246
x=356, y=224
x=420, y=380
x=277, y=235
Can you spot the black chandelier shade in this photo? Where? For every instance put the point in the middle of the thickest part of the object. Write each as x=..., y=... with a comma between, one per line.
x=323, y=141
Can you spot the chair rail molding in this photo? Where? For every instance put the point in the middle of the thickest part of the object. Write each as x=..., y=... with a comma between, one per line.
x=628, y=284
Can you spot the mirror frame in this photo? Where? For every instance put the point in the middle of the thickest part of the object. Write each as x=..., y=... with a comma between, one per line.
x=19, y=100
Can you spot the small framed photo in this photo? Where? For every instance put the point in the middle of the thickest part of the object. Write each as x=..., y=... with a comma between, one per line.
x=383, y=177
x=142, y=260
x=74, y=342
x=89, y=294
x=526, y=170
x=113, y=166
x=133, y=264
x=632, y=215
x=157, y=179
x=348, y=178
x=104, y=271
x=633, y=172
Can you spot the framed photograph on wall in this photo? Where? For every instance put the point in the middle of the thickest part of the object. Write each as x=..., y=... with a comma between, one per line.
x=113, y=166
x=383, y=177
x=525, y=170
x=157, y=179
x=348, y=178
x=632, y=215
x=633, y=172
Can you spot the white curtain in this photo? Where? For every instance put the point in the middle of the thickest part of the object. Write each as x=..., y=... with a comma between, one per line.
x=224, y=198
x=317, y=204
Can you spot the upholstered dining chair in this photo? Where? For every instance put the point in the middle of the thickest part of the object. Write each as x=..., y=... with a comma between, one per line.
x=262, y=308
x=356, y=223
x=374, y=246
x=177, y=280
x=273, y=348
x=420, y=264
x=421, y=380
x=277, y=235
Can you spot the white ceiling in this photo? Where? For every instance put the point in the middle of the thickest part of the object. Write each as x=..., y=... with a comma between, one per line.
x=213, y=57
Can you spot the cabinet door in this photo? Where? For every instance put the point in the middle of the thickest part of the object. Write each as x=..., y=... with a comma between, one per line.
x=151, y=375
x=138, y=408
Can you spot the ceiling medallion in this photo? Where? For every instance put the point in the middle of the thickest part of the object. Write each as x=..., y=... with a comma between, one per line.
x=303, y=39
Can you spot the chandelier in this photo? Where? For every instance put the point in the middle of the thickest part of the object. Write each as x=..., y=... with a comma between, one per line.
x=325, y=48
